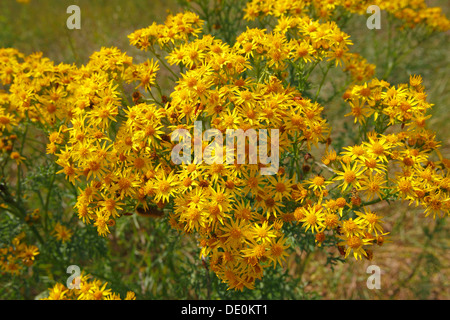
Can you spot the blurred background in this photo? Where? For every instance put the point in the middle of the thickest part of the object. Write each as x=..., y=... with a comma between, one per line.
x=415, y=265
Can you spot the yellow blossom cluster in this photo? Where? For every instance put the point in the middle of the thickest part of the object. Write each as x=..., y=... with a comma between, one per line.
x=116, y=147
x=85, y=287
x=18, y=255
x=304, y=40
x=410, y=13
x=36, y=89
x=62, y=233
x=177, y=27
x=418, y=178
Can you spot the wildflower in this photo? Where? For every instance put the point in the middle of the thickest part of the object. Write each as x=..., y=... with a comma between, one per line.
x=262, y=233
x=17, y=157
x=28, y=254
x=331, y=220
x=379, y=148
x=58, y=292
x=121, y=152
x=350, y=175
x=279, y=188
x=166, y=187
x=373, y=186
x=277, y=251
x=318, y=183
x=89, y=289
x=313, y=218
x=101, y=222
x=62, y=233
x=354, y=244
x=235, y=232
x=370, y=220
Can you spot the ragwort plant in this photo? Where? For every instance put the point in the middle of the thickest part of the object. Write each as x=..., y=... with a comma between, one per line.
x=108, y=126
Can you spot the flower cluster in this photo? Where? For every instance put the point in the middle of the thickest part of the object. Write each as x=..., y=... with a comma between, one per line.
x=418, y=178
x=303, y=40
x=36, y=90
x=89, y=289
x=177, y=27
x=17, y=255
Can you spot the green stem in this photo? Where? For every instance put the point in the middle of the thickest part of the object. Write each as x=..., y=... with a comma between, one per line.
x=122, y=90
x=154, y=99
x=311, y=70
x=72, y=48
x=161, y=60
x=19, y=168
x=388, y=51
x=323, y=81
x=47, y=200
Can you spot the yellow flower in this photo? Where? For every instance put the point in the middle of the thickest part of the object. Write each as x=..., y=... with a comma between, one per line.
x=262, y=233
x=101, y=221
x=371, y=221
x=166, y=186
x=7, y=121
x=351, y=227
x=318, y=182
x=90, y=289
x=17, y=157
x=279, y=187
x=313, y=218
x=99, y=292
x=277, y=252
x=378, y=148
x=130, y=295
x=62, y=233
x=350, y=175
x=28, y=254
x=355, y=244
x=235, y=232
x=58, y=292
x=372, y=185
